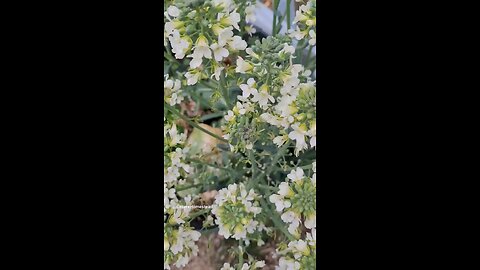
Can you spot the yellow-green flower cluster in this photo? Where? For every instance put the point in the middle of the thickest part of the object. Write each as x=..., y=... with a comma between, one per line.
x=296, y=200
x=235, y=209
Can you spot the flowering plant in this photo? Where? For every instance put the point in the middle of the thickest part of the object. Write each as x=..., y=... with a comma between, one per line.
x=239, y=133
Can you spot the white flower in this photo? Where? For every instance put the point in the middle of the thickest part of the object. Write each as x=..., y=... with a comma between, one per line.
x=280, y=140
x=250, y=14
x=271, y=119
x=237, y=43
x=176, y=138
x=311, y=222
x=298, y=135
x=301, y=247
x=288, y=49
x=299, y=16
x=292, y=228
x=284, y=108
x=201, y=48
x=280, y=202
x=242, y=109
x=296, y=69
x=292, y=218
x=296, y=175
x=192, y=77
x=196, y=61
x=247, y=88
x=224, y=36
x=230, y=19
x=226, y=266
x=230, y=116
x=179, y=45
x=262, y=97
x=285, y=190
x=217, y=72
x=287, y=264
x=259, y=264
x=289, y=216
x=172, y=91
x=250, y=52
x=170, y=28
x=173, y=11
x=250, y=30
x=182, y=261
x=219, y=52
x=297, y=34
x=243, y=66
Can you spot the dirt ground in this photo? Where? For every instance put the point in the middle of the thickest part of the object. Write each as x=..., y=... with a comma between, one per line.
x=213, y=254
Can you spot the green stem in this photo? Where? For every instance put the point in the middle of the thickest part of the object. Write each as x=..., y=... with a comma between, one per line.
x=251, y=158
x=174, y=111
x=168, y=57
x=275, y=19
x=209, y=230
x=309, y=53
x=299, y=49
x=199, y=213
x=240, y=259
x=289, y=2
x=277, y=156
x=306, y=167
x=211, y=116
x=224, y=90
x=207, y=164
x=208, y=84
x=266, y=187
x=274, y=16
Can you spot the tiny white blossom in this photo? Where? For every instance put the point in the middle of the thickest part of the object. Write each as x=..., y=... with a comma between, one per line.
x=262, y=97
x=243, y=66
x=219, y=52
x=296, y=175
x=250, y=14
x=173, y=11
x=247, y=88
x=192, y=78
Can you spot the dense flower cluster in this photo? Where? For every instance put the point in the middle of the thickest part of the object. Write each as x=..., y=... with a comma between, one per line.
x=296, y=200
x=235, y=210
